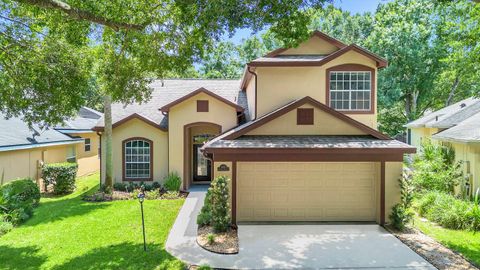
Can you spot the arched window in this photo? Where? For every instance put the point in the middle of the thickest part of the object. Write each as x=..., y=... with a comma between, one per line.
x=137, y=159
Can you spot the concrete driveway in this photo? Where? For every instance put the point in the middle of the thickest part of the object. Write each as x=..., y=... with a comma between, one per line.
x=331, y=246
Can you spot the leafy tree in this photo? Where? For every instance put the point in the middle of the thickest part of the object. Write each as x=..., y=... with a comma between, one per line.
x=51, y=48
x=221, y=62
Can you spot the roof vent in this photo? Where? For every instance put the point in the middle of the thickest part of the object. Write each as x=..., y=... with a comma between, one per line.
x=463, y=105
x=436, y=118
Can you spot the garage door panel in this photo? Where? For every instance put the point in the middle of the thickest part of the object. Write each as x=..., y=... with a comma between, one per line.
x=275, y=191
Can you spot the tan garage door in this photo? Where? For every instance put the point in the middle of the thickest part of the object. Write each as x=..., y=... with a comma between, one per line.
x=280, y=191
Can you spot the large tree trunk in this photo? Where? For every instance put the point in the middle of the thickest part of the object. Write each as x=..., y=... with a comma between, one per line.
x=452, y=91
x=107, y=102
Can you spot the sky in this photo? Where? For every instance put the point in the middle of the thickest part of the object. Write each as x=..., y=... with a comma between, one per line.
x=354, y=6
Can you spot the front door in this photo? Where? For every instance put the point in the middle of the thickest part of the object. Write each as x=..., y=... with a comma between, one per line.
x=201, y=165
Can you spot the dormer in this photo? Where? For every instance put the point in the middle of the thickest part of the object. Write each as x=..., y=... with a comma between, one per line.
x=343, y=77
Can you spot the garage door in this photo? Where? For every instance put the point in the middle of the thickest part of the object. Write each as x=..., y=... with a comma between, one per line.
x=276, y=191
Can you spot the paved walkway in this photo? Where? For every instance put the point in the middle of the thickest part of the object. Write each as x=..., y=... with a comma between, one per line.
x=293, y=246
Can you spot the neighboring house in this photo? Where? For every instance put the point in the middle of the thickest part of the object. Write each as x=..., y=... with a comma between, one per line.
x=296, y=135
x=23, y=149
x=81, y=127
x=459, y=126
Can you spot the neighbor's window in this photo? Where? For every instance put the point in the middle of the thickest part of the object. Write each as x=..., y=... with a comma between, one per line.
x=88, y=145
x=350, y=90
x=71, y=154
x=137, y=159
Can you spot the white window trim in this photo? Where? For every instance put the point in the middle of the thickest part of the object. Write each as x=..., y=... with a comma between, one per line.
x=350, y=91
x=138, y=162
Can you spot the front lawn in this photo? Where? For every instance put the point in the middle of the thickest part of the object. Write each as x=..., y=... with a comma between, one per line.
x=68, y=233
x=464, y=242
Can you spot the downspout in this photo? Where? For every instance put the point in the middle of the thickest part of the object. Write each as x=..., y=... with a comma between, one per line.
x=165, y=114
x=254, y=75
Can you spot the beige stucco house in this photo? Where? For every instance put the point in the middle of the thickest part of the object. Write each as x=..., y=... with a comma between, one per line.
x=457, y=125
x=23, y=149
x=296, y=135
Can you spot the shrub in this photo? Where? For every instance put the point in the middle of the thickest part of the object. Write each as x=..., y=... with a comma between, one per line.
x=220, y=207
x=5, y=227
x=120, y=186
x=170, y=195
x=172, y=182
x=210, y=238
x=152, y=195
x=402, y=212
x=61, y=176
x=435, y=169
x=204, y=218
x=17, y=200
x=450, y=212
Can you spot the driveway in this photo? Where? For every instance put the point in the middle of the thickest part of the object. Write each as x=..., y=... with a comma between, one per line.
x=332, y=246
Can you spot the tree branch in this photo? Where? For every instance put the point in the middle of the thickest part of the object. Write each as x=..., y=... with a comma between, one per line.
x=79, y=14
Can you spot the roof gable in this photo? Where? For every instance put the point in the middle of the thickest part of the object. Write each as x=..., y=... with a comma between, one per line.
x=246, y=128
x=168, y=106
x=130, y=117
x=304, y=48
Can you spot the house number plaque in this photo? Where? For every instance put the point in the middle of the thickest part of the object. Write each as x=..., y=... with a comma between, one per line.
x=223, y=168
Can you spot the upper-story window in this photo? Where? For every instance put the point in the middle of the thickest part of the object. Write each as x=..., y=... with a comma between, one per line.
x=350, y=90
x=137, y=159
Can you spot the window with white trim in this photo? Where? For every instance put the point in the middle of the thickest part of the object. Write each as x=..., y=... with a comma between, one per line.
x=137, y=159
x=350, y=90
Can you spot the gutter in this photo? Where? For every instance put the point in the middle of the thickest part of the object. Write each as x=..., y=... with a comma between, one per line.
x=38, y=145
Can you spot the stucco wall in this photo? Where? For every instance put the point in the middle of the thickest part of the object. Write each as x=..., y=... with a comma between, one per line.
x=25, y=163
x=393, y=172
x=324, y=124
x=138, y=128
x=314, y=45
x=186, y=113
x=279, y=85
x=469, y=154
x=418, y=135
x=88, y=162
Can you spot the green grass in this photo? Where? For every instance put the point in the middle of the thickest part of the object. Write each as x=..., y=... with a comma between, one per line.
x=466, y=243
x=68, y=233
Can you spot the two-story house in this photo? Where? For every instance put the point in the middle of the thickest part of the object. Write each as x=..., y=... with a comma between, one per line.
x=296, y=135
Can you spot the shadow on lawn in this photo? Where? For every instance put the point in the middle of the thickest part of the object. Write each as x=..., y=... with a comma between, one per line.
x=59, y=209
x=124, y=256
x=20, y=258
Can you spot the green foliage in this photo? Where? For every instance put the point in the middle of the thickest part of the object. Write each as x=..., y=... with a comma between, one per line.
x=130, y=186
x=170, y=195
x=5, y=226
x=402, y=212
x=172, y=182
x=449, y=212
x=152, y=195
x=204, y=218
x=17, y=200
x=211, y=238
x=204, y=267
x=435, y=169
x=61, y=176
x=220, y=204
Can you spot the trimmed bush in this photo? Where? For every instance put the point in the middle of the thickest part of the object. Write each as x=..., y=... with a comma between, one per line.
x=216, y=207
x=219, y=200
x=172, y=182
x=17, y=200
x=449, y=212
x=61, y=176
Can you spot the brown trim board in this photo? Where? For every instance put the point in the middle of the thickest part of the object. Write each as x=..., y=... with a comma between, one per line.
x=167, y=107
x=130, y=117
x=352, y=67
x=186, y=147
x=382, y=193
x=269, y=117
x=151, y=159
x=234, y=192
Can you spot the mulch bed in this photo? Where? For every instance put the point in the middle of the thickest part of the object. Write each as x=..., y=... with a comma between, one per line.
x=225, y=243
x=122, y=195
x=432, y=251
